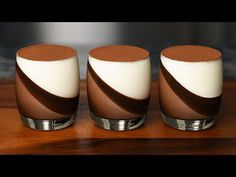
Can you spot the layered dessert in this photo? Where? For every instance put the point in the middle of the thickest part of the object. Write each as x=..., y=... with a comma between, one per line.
x=190, y=86
x=118, y=86
x=47, y=85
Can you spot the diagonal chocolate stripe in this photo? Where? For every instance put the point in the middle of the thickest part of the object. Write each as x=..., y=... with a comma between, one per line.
x=55, y=103
x=130, y=104
x=206, y=106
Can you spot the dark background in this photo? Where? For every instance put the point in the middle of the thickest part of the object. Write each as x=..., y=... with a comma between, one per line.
x=84, y=36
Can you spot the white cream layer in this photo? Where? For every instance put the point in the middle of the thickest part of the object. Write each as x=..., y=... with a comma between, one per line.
x=204, y=79
x=132, y=79
x=60, y=77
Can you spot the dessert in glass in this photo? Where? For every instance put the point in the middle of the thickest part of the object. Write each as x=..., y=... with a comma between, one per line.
x=118, y=86
x=190, y=86
x=47, y=86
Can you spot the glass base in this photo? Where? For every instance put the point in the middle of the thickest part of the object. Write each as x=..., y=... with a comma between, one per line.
x=53, y=124
x=189, y=125
x=118, y=125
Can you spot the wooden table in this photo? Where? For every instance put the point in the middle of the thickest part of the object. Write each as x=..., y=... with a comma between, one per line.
x=84, y=137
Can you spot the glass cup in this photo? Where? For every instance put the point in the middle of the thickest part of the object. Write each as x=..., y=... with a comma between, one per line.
x=118, y=86
x=190, y=86
x=47, y=86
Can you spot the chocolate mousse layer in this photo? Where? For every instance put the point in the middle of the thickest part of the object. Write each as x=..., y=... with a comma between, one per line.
x=175, y=99
x=104, y=99
x=33, y=100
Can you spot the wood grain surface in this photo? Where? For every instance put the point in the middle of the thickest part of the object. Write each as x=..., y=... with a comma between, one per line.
x=84, y=137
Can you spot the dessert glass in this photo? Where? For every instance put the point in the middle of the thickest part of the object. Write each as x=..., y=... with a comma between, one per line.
x=47, y=86
x=118, y=86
